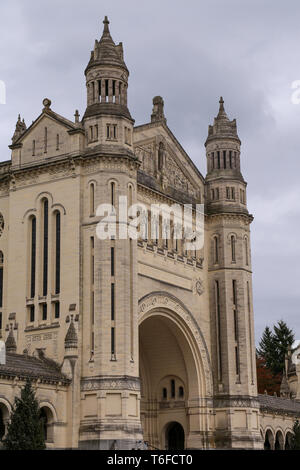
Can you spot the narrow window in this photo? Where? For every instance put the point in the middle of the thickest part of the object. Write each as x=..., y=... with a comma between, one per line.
x=234, y=292
x=45, y=249
x=213, y=160
x=0, y=320
x=33, y=148
x=56, y=310
x=31, y=314
x=57, y=251
x=237, y=362
x=172, y=388
x=230, y=159
x=233, y=248
x=99, y=90
x=246, y=252
x=91, y=133
x=216, y=250
x=165, y=393
x=115, y=131
x=228, y=193
x=33, y=257
x=46, y=140
x=112, y=297
x=180, y=392
x=106, y=90
x=219, y=160
x=232, y=193
x=114, y=90
x=130, y=195
x=44, y=312
x=92, y=199
x=217, y=194
x=212, y=194
x=1, y=279
x=96, y=132
x=92, y=261
x=112, y=261
x=113, y=351
x=108, y=131
x=93, y=91
x=224, y=158
x=218, y=328
x=57, y=141
x=112, y=193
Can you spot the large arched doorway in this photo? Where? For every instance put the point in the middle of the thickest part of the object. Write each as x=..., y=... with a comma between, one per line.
x=175, y=436
x=172, y=378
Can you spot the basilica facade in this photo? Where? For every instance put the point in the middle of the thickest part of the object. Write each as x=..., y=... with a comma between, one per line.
x=129, y=343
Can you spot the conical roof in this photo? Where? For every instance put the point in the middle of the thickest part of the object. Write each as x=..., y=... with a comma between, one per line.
x=71, y=338
x=10, y=344
x=222, y=126
x=106, y=52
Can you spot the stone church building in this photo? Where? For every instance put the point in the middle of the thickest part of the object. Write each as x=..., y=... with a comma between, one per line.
x=129, y=343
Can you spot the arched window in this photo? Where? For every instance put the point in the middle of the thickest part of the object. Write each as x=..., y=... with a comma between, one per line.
x=46, y=418
x=232, y=241
x=92, y=199
x=32, y=256
x=130, y=195
x=57, y=251
x=45, y=246
x=172, y=388
x=112, y=193
x=164, y=393
x=180, y=392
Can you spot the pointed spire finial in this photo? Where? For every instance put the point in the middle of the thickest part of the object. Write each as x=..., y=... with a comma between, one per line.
x=106, y=23
x=221, y=103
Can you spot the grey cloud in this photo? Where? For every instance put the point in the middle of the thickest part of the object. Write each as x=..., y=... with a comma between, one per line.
x=190, y=53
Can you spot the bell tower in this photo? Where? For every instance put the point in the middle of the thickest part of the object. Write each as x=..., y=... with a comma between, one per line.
x=230, y=281
x=111, y=384
x=107, y=118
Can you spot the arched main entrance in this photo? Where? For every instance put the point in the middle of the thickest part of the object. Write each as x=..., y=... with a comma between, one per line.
x=172, y=376
x=175, y=436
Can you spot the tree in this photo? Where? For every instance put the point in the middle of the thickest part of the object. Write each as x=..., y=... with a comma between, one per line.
x=266, y=380
x=25, y=431
x=274, y=346
x=295, y=441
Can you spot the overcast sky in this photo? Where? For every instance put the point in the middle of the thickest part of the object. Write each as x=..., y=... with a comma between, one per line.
x=190, y=53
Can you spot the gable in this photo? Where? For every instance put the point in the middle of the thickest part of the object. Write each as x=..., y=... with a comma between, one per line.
x=178, y=172
x=49, y=136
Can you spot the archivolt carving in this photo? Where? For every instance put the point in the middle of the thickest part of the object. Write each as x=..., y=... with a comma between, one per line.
x=164, y=300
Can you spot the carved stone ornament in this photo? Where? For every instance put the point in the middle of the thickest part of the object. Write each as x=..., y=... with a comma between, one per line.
x=198, y=287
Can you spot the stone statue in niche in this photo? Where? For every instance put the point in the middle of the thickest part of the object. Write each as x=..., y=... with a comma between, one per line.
x=161, y=156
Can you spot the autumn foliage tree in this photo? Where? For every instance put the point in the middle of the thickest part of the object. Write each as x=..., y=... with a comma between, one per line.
x=270, y=357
